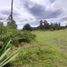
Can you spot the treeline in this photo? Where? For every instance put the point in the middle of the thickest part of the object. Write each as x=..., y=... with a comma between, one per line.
x=44, y=25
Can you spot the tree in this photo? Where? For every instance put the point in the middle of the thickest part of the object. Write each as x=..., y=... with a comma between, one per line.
x=46, y=25
x=66, y=26
x=55, y=26
x=41, y=25
x=27, y=27
x=12, y=24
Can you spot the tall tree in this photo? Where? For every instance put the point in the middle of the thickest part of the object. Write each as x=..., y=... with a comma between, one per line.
x=46, y=25
x=41, y=25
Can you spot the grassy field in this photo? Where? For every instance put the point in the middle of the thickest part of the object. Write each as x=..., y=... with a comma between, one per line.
x=49, y=50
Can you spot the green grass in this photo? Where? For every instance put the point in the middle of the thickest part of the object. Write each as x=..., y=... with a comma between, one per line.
x=49, y=50
x=55, y=38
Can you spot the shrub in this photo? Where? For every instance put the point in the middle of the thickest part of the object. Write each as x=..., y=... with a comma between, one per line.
x=27, y=36
x=17, y=37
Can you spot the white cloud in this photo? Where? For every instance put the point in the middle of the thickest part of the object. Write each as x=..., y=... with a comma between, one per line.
x=25, y=14
x=4, y=4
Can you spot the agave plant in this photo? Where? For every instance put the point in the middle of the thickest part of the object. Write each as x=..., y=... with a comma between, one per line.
x=4, y=58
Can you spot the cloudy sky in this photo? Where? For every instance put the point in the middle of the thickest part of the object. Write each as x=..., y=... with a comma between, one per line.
x=31, y=11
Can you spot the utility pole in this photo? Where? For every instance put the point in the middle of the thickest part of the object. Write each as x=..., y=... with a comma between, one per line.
x=11, y=23
x=11, y=15
x=10, y=18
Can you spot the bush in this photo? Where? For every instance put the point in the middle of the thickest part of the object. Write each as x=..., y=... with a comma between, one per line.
x=19, y=37
x=16, y=36
x=10, y=34
x=27, y=36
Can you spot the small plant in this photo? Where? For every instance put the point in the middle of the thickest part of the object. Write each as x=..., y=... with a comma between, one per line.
x=27, y=36
x=5, y=55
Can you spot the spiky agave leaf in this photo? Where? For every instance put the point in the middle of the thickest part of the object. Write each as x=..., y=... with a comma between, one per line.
x=4, y=47
x=3, y=55
x=9, y=58
x=4, y=58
